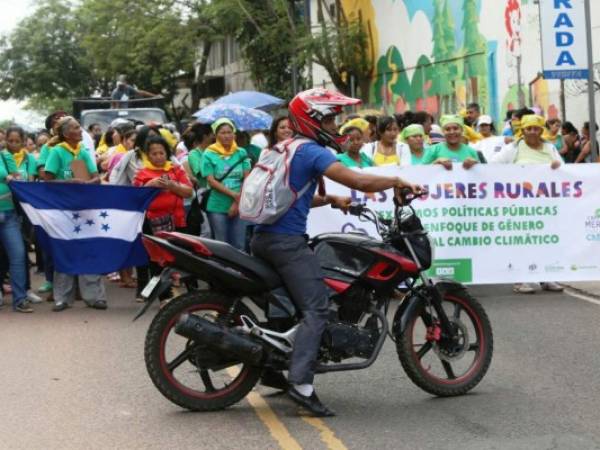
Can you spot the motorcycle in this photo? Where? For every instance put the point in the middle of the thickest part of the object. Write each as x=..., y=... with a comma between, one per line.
x=206, y=349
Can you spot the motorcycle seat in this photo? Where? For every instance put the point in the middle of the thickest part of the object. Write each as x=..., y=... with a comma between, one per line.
x=257, y=266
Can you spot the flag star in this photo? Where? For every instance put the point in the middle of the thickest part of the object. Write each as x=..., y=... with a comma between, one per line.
x=76, y=216
x=77, y=229
x=104, y=214
x=90, y=222
x=105, y=227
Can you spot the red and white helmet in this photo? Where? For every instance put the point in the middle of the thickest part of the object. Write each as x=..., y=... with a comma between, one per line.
x=308, y=109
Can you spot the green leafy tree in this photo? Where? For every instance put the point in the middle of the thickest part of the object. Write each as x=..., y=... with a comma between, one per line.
x=42, y=60
x=144, y=40
x=475, y=47
x=269, y=33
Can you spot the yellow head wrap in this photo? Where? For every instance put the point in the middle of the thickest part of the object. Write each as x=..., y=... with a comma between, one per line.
x=413, y=130
x=359, y=123
x=532, y=120
x=222, y=121
x=168, y=136
x=451, y=118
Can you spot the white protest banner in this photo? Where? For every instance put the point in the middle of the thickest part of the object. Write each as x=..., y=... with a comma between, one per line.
x=564, y=40
x=495, y=223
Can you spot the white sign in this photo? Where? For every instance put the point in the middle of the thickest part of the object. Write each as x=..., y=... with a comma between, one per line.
x=564, y=42
x=495, y=223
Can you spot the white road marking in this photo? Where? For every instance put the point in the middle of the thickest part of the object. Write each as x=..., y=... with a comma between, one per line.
x=586, y=298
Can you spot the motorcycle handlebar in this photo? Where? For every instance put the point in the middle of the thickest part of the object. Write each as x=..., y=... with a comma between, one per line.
x=407, y=196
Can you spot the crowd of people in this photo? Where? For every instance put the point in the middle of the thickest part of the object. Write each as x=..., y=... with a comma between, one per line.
x=201, y=172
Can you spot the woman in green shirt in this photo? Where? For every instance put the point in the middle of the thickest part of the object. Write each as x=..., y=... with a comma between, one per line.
x=198, y=137
x=25, y=161
x=353, y=157
x=225, y=165
x=11, y=237
x=58, y=167
x=453, y=150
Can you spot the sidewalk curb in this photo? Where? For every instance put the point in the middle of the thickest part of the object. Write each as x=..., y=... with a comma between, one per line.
x=580, y=291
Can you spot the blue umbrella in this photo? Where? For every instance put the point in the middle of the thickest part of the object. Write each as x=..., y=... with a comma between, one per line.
x=252, y=99
x=244, y=118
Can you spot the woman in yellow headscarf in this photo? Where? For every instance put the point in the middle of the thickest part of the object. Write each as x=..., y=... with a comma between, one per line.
x=531, y=149
x=225, y=165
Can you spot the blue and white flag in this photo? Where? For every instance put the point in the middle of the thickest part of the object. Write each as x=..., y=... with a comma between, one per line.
x=87, y=228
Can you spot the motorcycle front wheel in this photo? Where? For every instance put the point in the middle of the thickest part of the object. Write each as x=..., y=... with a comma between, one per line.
x=191, y=375
x=445, y=366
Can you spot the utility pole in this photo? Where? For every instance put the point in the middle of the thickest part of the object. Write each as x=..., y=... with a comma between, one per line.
x=591, y=86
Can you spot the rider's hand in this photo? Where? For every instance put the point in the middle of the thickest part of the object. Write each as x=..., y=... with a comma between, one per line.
x=555, y=165
x=416, y=189
x=342, y=203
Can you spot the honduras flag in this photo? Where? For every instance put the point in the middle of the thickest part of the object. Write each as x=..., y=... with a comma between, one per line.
x=87, y=228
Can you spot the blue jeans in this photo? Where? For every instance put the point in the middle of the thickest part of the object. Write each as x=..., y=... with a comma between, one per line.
x=12, y=240
x=228, y=229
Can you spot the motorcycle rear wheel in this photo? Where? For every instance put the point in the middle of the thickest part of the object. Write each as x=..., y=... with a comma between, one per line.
x=441, y=369
x=225, y=382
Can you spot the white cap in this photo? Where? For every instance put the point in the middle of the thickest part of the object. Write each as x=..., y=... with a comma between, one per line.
x=485, y=120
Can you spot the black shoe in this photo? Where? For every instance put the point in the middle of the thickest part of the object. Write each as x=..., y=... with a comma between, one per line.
x=274, y=379
x=24, y=308
x=60, y=307
x=100, y=304
x=311, y=403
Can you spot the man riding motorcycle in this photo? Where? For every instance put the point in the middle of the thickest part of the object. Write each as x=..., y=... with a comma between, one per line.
x=284, y=244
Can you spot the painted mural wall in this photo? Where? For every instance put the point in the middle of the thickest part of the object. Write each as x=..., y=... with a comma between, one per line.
x=439, y=55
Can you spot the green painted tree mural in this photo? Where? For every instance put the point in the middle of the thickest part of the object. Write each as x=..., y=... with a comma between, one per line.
x=422, y=82
x=474, y=48
x=451, y=54
x=391, y=85
x=441, y=87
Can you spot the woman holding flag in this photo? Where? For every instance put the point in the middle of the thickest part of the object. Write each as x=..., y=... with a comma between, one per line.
x=62, y=165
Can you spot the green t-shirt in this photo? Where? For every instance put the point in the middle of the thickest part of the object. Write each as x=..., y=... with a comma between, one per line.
x=253, y=152
x=418, y=160
x=59, y=162
x=7, y=166
x=441, y=150
x=44, y=153
x=195, y=162
x=347, y=161
x=216, y=165
x=28, y=167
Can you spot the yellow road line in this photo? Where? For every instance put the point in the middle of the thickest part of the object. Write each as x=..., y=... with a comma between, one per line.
x=278, y=430
x=276, y=427
x=327, y=435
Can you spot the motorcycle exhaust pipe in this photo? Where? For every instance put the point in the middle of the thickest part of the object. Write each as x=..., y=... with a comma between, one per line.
x=217, y=338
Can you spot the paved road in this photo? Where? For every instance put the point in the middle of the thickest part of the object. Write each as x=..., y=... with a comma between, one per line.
x=77, y=380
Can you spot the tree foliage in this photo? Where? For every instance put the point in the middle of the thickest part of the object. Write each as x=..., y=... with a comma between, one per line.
x=268, y=32
x=61, y=52
x=42, y=60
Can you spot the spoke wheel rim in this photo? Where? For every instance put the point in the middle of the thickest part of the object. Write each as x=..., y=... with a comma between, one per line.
x=475, y=343
x=211, y=391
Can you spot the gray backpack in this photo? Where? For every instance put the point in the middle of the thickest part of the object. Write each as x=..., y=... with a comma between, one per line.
x=267, y=194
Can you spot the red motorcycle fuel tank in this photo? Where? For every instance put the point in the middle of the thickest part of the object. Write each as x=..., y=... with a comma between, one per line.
x=346, y=257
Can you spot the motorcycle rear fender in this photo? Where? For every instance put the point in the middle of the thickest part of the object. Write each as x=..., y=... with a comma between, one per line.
x=414, y=301
x=210, y=269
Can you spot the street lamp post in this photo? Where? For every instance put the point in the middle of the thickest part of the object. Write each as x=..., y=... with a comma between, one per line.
x=591, y=86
